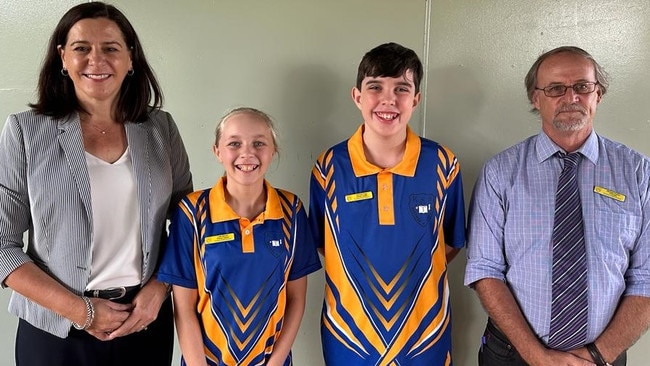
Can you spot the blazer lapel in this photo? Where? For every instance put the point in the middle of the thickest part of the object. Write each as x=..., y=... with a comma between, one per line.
x=137, y=136
x=71, y=141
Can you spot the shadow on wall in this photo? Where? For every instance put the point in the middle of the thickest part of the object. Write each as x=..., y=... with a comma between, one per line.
x=454, y=103
x=310, y=105
x=468, y=319
x=311, y=98
x=308, y=108
x=454, y=106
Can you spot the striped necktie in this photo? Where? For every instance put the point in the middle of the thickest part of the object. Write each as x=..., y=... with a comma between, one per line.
x=569, y=300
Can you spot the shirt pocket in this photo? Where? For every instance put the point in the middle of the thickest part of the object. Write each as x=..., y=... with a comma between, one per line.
x=616, y=234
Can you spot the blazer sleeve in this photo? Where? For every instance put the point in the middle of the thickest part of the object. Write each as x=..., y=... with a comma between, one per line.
x=14, y=198
x=181, y=175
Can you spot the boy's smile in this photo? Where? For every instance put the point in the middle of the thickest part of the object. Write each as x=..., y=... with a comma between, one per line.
x=386, y=103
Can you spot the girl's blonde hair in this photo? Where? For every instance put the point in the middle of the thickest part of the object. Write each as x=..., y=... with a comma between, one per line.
x=250, y=111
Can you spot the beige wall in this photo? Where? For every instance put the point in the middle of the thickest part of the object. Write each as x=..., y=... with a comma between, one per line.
x=297, y=59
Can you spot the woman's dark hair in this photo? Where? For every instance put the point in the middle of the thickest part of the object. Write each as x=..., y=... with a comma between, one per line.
x=56, y=93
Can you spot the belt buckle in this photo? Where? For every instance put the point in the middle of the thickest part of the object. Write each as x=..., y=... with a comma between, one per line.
x=122, y=292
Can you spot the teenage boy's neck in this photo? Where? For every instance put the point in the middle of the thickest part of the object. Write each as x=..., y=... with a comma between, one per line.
x=384, y=152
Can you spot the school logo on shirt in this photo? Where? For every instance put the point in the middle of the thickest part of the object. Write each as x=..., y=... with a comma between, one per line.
x=275, y=243
x=421, y=207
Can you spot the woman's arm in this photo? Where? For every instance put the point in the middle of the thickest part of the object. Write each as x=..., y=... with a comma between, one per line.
x=31, y=282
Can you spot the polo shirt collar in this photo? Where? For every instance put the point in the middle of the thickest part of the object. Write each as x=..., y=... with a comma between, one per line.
x=362, y=167
x=220, y=211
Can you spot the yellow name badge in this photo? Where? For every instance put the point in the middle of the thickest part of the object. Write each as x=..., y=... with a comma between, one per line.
x=608, y=193
x=216, y=239
x=358, y=197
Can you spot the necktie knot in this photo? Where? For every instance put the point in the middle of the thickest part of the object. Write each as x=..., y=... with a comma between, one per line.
x=570, y=160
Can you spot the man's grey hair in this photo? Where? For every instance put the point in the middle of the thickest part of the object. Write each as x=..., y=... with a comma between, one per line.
x=531, y=78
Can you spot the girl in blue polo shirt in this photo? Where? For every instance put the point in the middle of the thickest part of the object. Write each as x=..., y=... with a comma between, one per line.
x=238, y=255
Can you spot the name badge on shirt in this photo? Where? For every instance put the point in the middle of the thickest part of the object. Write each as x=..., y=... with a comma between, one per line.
x=358, y=196
x=609, y=193
x=216, y=239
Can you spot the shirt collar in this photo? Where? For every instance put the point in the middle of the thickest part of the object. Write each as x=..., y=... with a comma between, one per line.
x=362, y=167
x=546, y=148
x=220, y=211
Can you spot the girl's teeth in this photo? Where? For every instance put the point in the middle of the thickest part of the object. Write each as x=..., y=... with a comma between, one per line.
x=247, y=168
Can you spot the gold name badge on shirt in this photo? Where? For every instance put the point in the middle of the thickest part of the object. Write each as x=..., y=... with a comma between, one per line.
x=216, y=239
x=358, y=196
x=609, y=193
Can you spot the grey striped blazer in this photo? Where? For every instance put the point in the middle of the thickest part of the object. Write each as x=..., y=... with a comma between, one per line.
x=45, y=190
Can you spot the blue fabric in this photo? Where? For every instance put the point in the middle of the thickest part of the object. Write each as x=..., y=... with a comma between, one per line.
x=241, y=295
x=386, y=291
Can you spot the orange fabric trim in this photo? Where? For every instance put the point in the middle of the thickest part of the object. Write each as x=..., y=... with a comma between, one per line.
x=361, y=167
x=221, y=211
x=385, y=198
x=406, y=167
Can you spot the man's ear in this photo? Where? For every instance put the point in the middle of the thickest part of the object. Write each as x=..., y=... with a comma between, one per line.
x=535, y=99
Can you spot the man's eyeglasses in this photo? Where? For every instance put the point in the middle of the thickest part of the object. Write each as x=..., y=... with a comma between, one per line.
x=584, y=87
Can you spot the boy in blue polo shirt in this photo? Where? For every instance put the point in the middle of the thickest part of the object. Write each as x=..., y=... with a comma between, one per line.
x=387, y=211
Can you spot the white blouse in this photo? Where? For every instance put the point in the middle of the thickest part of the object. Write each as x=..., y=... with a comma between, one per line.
x=117, y=234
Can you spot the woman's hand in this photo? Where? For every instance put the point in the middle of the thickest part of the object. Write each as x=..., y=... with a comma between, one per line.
x=108, y=317
x=145, y=308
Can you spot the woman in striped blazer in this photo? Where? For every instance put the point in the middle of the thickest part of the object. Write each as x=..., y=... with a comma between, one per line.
x=90, y=172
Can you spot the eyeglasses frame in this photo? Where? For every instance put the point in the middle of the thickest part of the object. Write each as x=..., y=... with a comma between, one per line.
x=566, y=87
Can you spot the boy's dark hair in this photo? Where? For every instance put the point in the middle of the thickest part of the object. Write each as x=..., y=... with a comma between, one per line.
x=56, y=93
x=390, y=60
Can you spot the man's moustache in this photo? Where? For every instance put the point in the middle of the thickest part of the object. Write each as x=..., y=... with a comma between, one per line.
x=571, y=108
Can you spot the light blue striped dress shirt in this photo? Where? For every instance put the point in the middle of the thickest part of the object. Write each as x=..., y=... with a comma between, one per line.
x=511, y=223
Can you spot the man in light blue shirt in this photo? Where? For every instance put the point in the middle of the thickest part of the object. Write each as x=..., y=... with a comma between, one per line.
x=510, y=225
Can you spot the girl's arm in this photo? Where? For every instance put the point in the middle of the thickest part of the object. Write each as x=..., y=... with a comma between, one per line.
x=187, y=326
x=296, y=293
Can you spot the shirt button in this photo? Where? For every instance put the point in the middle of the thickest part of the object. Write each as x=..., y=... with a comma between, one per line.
x=386, y=208
x=247, y=232
x=384, y=187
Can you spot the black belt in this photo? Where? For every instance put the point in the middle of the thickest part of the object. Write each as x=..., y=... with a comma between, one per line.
x=112, y=293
